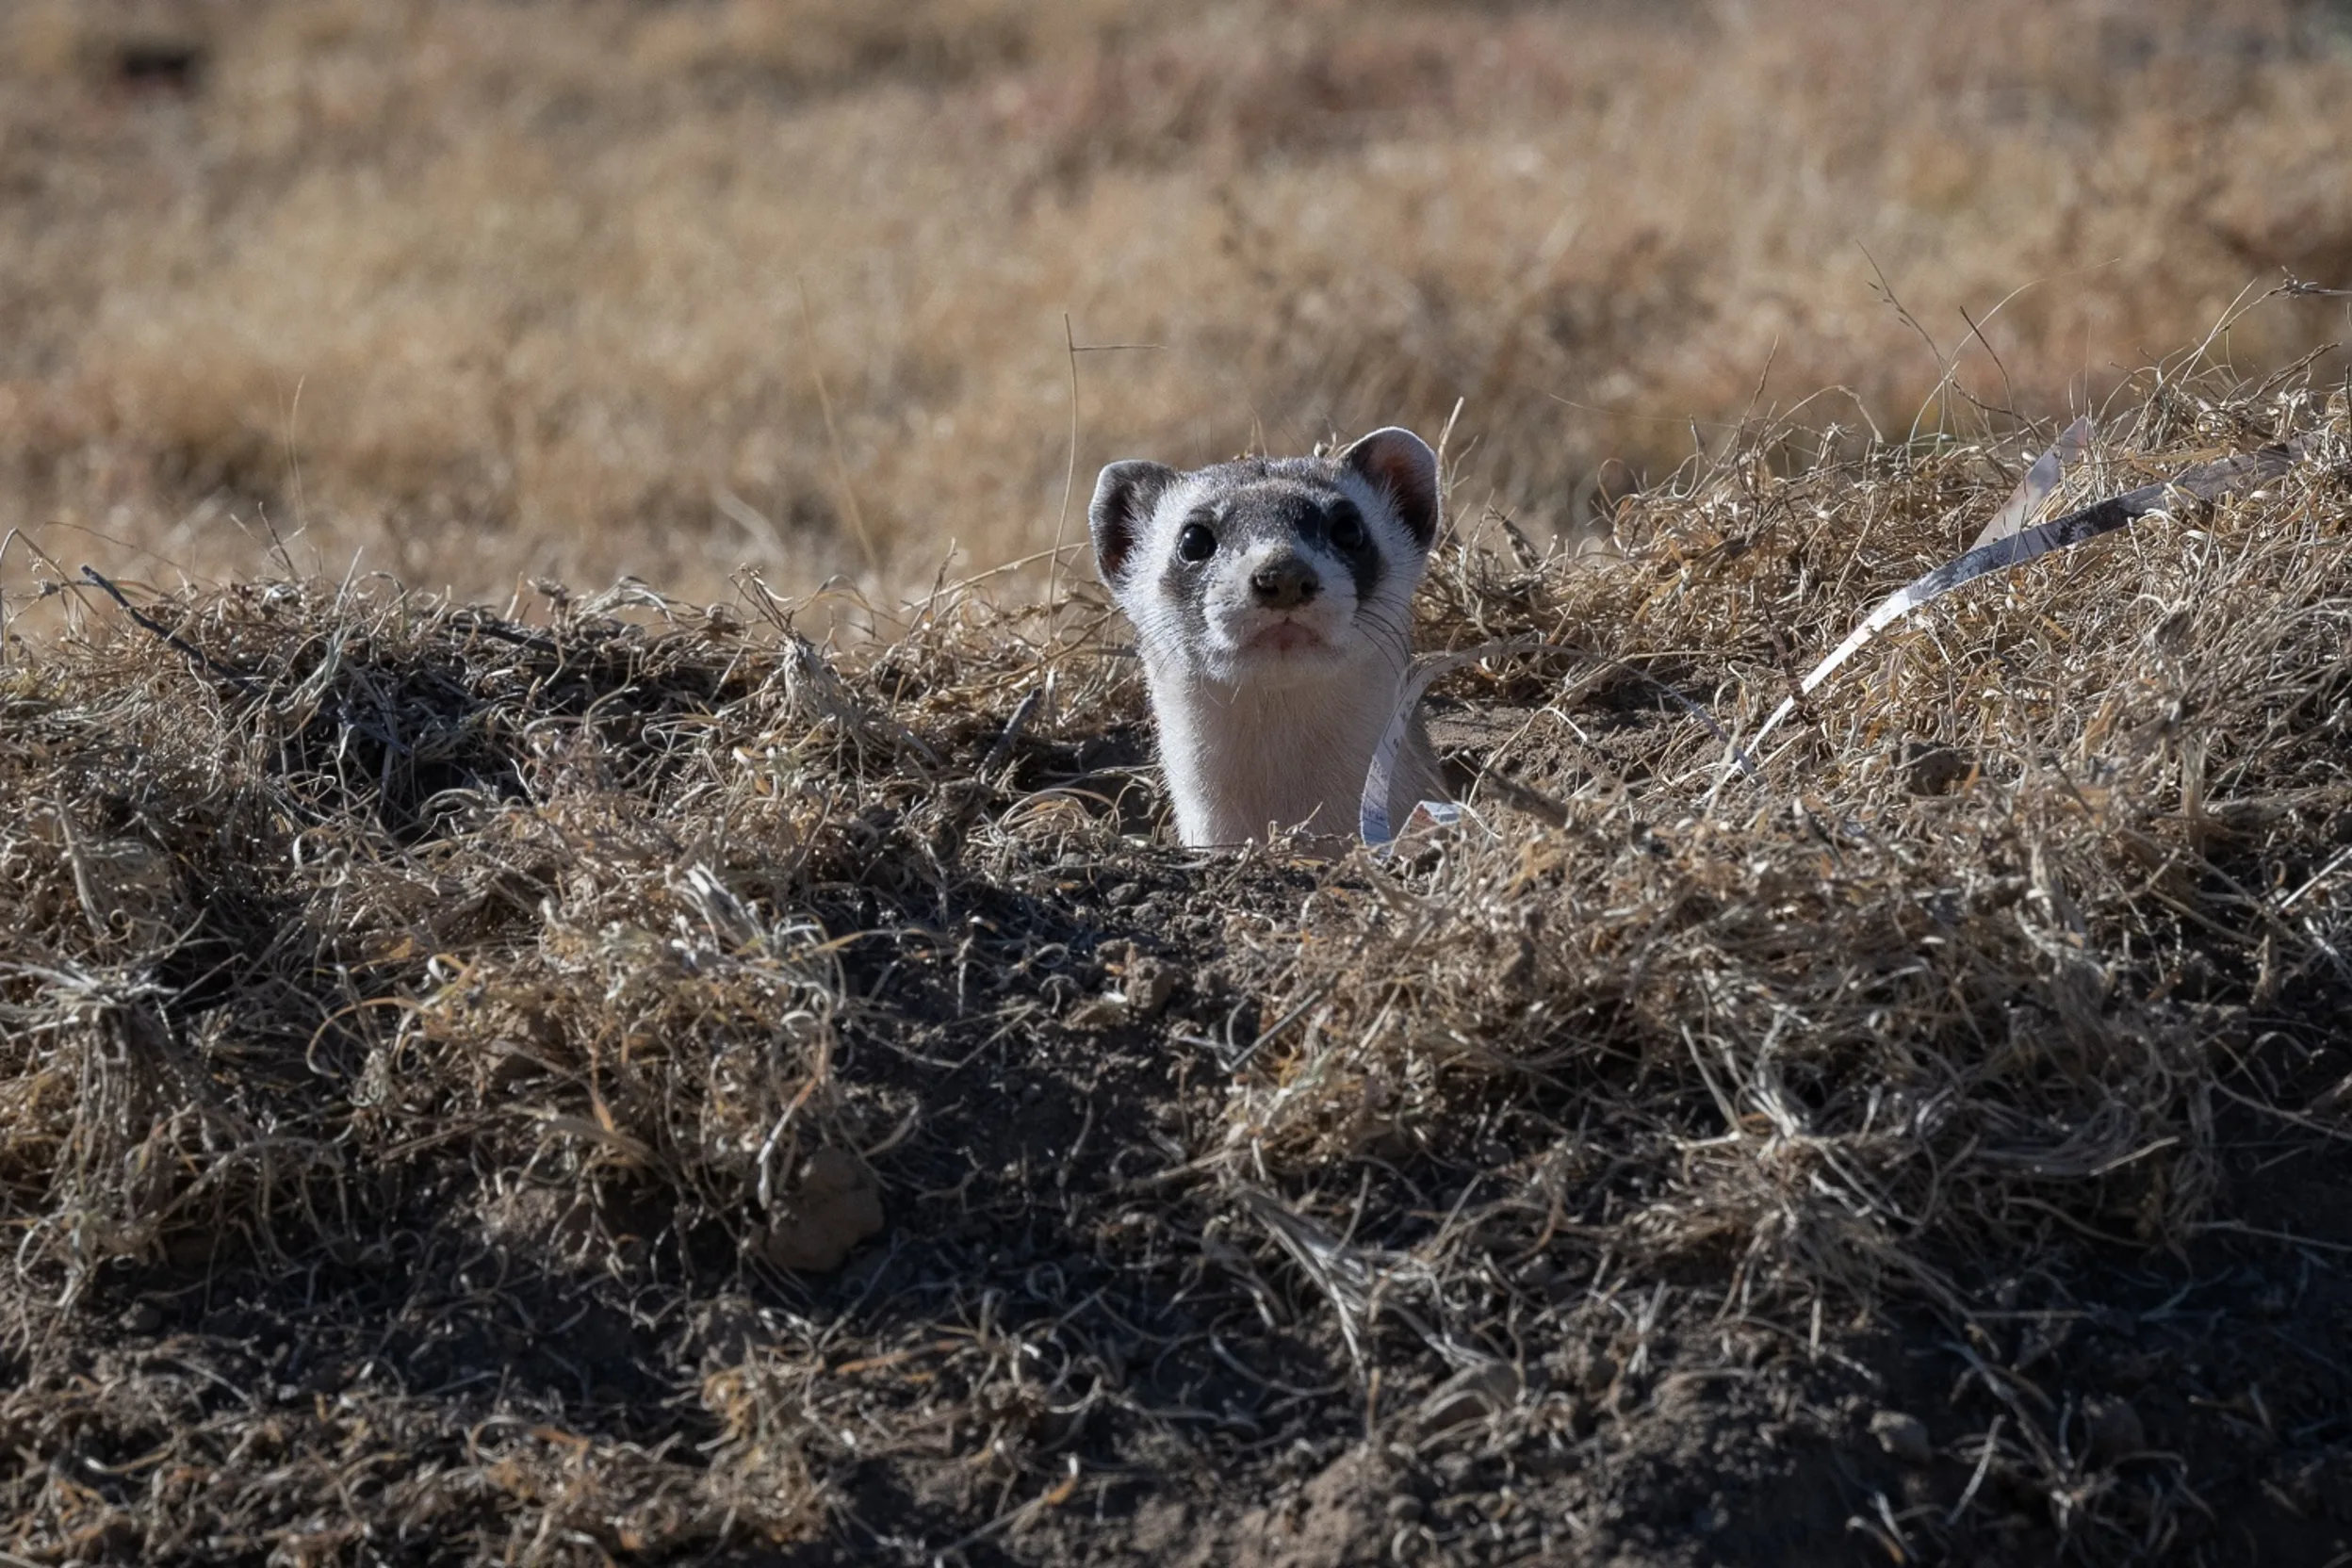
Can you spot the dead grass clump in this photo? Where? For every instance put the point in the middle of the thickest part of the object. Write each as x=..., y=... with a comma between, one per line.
x=347, y=926
x=293, y=931
x=627, y=1079
x=1887, y=1015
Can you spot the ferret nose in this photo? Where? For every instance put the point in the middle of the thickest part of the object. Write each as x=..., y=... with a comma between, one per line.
x=1284, y=583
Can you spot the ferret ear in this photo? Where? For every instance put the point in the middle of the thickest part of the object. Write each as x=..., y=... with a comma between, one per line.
x=1401, y=464
x=1123, y=500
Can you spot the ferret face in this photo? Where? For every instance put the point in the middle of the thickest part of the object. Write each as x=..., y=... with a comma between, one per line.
x=1270, y=571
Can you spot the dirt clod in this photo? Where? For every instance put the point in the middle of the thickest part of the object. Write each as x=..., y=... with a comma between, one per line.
x=837, y=1204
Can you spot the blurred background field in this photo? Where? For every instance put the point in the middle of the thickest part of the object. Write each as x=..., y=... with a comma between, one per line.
x=479, y=292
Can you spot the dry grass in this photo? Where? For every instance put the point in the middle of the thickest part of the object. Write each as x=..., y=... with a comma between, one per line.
x=428, y=1038
x=497, y=290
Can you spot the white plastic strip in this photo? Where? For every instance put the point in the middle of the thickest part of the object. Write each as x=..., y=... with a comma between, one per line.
x=2038, y=483
x=2204, y=483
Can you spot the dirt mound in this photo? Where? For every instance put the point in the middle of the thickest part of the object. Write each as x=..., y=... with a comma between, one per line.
x=630, y=1084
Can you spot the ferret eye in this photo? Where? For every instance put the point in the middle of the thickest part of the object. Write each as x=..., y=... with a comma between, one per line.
x=1347, y=527
x=1196, y=543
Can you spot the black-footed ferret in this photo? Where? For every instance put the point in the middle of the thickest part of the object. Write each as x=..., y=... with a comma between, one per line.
x=1271, y=603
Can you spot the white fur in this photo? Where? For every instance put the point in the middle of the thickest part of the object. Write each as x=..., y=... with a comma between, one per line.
x=1243, y=759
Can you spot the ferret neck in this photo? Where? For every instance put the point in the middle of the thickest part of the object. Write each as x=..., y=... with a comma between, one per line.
x=1240, y=758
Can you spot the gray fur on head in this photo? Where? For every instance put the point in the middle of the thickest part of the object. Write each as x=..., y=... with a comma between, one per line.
x=1271, y=600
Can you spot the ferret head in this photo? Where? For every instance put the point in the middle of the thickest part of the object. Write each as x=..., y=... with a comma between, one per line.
x=1270, y=571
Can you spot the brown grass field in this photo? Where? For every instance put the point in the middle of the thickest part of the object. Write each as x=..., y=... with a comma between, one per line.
x=475, y=292
x=730, y=1068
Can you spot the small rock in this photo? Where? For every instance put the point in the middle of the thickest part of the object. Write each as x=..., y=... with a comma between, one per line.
x=837, y=1204
x=1149, y=984
x=143, y=1318
x=1406, y=1508
x=1902, y=1436
x=2113, y=1428
x=1124, y=894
